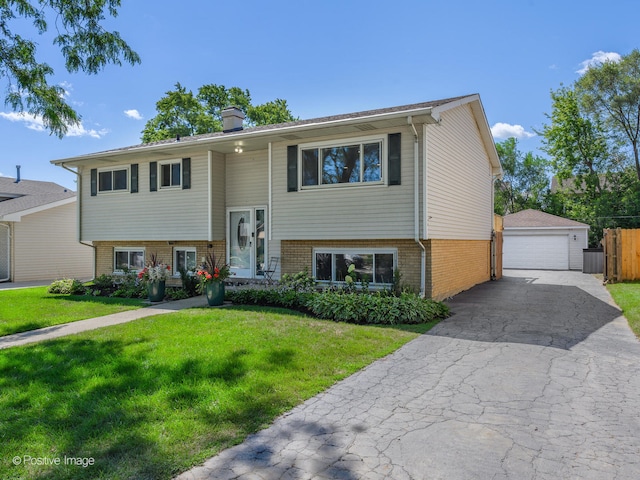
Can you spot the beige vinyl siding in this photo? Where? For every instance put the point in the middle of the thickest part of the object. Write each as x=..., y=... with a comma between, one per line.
x=218, y=195
x=344, y=212
x=167, y=214
x=247, y=179
x=576, y=246
x=45, y=246
x=459, y=180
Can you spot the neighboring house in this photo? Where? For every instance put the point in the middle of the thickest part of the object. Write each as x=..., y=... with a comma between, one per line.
x=538, y=240
x=38, y=233
x=407, y=188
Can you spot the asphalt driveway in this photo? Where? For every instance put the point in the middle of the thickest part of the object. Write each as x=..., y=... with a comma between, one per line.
x=535, y=376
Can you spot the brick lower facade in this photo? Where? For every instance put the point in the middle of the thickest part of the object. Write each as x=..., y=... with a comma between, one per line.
x=104, y=251
x=451, y=266
x=457, y=265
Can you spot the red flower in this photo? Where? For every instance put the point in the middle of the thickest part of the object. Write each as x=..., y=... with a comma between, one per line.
x=208, y=276
x=216, y=275
x=216, y=270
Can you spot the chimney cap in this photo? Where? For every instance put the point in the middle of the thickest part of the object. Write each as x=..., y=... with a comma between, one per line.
x=232, y=118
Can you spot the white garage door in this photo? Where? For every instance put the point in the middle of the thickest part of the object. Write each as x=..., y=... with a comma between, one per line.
x=537, y=252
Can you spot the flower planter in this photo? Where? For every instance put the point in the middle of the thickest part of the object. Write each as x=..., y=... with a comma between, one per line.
x=215, y=293
x=155, y=289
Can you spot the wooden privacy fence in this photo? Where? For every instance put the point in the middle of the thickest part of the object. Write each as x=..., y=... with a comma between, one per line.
x=621, y=255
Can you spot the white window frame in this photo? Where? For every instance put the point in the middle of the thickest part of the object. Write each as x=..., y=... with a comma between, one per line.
x=354, y=251
x=126, y=168
x=161, y=175
x=129, y=250
x=176, y=272
x=343, y=142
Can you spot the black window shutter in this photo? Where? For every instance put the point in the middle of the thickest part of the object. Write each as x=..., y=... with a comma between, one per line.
x=134, y=178
x=186, y=173
x=94, y=182
x=393, y=159
x=292, y=168
x=153, y=177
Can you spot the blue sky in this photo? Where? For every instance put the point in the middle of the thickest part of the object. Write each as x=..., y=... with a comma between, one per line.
x=328, y=58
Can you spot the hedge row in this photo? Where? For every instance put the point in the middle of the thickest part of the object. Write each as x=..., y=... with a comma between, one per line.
x=362, y=308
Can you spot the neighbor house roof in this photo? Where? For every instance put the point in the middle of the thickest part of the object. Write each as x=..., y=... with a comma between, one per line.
x=535, y=218
x=299, y=131
x=28, y=196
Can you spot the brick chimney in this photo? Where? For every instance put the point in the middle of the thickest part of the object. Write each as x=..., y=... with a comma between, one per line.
x=232, y=118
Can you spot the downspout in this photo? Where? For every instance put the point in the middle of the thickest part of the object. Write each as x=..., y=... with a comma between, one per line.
x=270, y=200
x=416, y=206
x=79, y=215
x=209, y=196
x=493, y=274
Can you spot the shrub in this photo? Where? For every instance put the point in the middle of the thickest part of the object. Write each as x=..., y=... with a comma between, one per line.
x=362, y=308
x=103, y=282
x=67, y=286
x=376, y=308
x=299, y=282
x=128, y=285
x=189, y=282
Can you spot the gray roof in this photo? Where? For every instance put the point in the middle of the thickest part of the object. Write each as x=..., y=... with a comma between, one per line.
x=535, y=218
x=27, y=194
x=274, y=128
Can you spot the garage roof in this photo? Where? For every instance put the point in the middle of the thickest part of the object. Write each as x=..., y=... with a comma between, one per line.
x=535, y=218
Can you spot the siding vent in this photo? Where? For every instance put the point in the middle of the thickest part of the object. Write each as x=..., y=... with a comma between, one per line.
x=365, y=127
x=232, y=118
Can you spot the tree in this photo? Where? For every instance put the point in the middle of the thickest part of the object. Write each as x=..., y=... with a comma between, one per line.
x=84, y=43
x=524, y=182
x=182, y=113
x=611, y=92
x=577, y=143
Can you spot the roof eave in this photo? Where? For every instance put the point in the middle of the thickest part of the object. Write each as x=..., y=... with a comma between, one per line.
x=423, y=115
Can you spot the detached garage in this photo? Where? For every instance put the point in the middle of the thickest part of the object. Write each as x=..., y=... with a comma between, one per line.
x=539, y=241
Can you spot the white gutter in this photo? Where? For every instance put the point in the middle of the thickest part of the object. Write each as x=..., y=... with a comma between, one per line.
x=268, y=131
x=416, y=206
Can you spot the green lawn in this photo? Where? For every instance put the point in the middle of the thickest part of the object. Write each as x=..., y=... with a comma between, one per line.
x=31, y=308
x=151, y=398
x=627, y=296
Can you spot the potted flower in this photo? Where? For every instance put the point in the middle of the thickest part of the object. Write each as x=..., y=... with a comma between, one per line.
x=212, y=275
x=155, y=275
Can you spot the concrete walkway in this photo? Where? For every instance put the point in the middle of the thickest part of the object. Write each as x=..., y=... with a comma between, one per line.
x=64, y=329
x=536, y=376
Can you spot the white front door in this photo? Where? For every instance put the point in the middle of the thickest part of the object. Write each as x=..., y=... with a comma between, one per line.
x=246, y=241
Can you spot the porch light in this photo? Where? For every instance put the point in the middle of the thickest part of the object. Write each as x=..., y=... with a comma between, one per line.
x=238, y=149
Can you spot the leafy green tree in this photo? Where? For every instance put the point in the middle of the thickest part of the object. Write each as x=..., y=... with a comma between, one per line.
x=576, y=143
x=524, y=182
x=611, y=92
x=83, y=41
x=182, y=113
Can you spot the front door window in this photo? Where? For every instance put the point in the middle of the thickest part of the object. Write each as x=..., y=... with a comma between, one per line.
x=247, y=242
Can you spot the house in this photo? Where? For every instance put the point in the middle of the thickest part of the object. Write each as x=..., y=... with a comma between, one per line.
x=407, y=188
x=541, y=241
x=38, y=233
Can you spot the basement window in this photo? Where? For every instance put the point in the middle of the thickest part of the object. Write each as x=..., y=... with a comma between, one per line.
x=375, y=266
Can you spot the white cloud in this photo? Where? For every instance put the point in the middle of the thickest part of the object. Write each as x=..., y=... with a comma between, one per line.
x=34, y=122
x=598, y=58
x=133, y=113
x=505, y=130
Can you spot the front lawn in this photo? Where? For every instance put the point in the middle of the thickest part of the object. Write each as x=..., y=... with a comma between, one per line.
x=31, y=308
x=151, y=398
x=627, y=296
